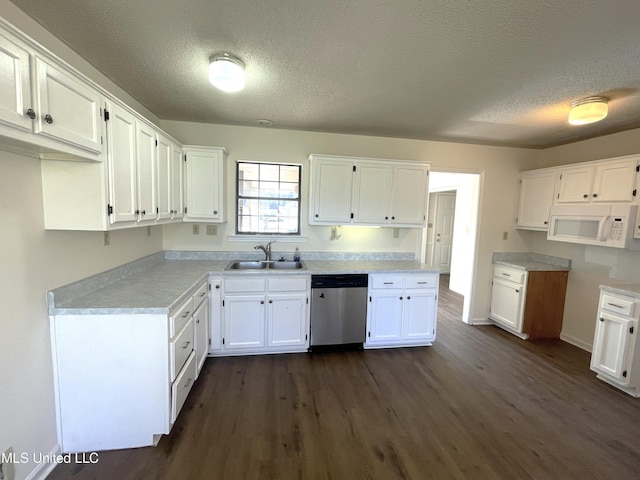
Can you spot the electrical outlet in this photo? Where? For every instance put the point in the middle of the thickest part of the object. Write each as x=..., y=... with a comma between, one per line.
x=505, y=235
x=396, y=233
x=196, y=229
x=7, y=460
x=107, y=238
x=148, y=231
x=212, y=229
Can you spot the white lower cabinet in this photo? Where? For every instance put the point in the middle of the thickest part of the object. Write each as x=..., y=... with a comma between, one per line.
x=121, y=379
x=615, y=356
x=262, y=314
x=402, y=309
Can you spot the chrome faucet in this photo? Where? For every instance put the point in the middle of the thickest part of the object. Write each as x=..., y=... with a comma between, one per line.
x=266, y=249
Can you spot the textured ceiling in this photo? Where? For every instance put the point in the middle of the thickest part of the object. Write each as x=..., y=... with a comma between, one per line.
x=497, y=72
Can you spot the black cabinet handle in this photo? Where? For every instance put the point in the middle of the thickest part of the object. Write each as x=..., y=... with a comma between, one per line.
x=215, y=212
x=261, y=302
x=48, y=118
x=585, y=195
x=595, y=195
x=30, y=113
x=270, y=301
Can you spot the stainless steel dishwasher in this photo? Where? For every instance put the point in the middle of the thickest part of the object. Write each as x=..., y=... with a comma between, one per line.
x=338, y=311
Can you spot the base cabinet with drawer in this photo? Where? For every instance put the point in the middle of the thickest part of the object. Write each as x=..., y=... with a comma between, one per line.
x=529, y=304
x=121, y=379
x=402, y=310
x=262, y=314
x=616, y=356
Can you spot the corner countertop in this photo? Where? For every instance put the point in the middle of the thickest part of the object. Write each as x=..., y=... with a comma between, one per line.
x=162, y=287
x=531, y=262
x=631, y=289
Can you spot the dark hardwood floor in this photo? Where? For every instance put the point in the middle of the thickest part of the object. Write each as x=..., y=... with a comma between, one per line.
x=478, y=404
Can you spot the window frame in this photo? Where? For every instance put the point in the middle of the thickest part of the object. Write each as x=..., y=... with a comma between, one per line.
x=297, y=233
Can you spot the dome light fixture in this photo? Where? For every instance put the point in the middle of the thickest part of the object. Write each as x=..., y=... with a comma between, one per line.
x=588, y=110
x=226, y=72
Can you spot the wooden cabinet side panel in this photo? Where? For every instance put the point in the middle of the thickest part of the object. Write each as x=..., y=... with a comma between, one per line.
x=544, y=305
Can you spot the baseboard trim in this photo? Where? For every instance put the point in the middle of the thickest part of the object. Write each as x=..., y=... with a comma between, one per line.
x=576, y=342
x=43, y=470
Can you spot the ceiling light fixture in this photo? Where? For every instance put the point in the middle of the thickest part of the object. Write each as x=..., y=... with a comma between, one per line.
x=226, y=72
x=588, y=110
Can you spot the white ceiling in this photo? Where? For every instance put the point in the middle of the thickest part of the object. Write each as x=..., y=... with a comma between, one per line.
x=497, y=72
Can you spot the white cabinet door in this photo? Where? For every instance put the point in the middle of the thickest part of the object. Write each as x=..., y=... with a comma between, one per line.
x=67, y=109
x=163, y=171
x=536, y=198
x=286, y=320
x=201, y=321
x=244, y=320
x=419, y=321
x=146, y=172
x=15, y=85
x=204, y=184
x=574, y=185
x=372, y=188
x=177, y=182
x=614, y=181
x=409, y=195
x=385, y=317
x=611, y=346
x=215, y=314
x=332, y=192
x=506, y=303
x=121, y=136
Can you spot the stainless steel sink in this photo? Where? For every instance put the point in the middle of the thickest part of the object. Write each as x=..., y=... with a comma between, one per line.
x=286, y=265
x=262, y=265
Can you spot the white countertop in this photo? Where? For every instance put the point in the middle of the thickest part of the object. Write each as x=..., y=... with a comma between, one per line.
x=160, y=288
x=631, y=289
x=531, y=266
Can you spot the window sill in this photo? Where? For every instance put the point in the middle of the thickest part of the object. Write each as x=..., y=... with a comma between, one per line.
x=268, y=238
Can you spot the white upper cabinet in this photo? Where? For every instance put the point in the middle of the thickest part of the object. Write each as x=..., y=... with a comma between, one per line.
x=607, y=181
x=205, y=182
x=67, y=109
x=45, y=105
x=331, y=190
x=15, y=85
x=177, y=182
x=146, y=149
x=409, y=195
x=536, y=198
x=121, y=135
x=372, y=192
x=164, y=155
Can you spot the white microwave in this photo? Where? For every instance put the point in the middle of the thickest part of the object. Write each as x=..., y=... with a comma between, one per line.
x=604, y=225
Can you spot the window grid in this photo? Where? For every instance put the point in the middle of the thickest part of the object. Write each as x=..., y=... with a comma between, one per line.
x=267, y=199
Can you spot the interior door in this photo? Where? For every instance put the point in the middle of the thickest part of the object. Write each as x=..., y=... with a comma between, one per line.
x=443, y=223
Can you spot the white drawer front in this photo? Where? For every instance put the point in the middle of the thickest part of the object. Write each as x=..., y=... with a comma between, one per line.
x=200, y=295
x=250, y=285
x=182, y=386
x=289, y=284
x=181, y=348
x=421, y=281
x=386, y=281
x=179, y=319
x=618, y=304
x=510, y=274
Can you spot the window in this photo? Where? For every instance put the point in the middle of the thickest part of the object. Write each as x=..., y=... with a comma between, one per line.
x=268, y=198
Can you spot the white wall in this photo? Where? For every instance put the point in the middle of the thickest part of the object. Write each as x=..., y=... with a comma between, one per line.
x=499, y=190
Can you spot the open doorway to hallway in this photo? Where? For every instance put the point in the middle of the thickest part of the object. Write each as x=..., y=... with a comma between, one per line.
x=457, y=231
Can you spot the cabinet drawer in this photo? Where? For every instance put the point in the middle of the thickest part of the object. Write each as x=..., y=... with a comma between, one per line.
x=510, y=274
x=420, y=281
x=618, y=304
x=181, y=348
x=182, y=386
x=251, y=285
x=200, y=295
x=179, y=319
x=291, y=284
x=386, y=281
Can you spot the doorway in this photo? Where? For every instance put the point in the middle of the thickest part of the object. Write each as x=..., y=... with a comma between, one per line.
x=461, y=189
